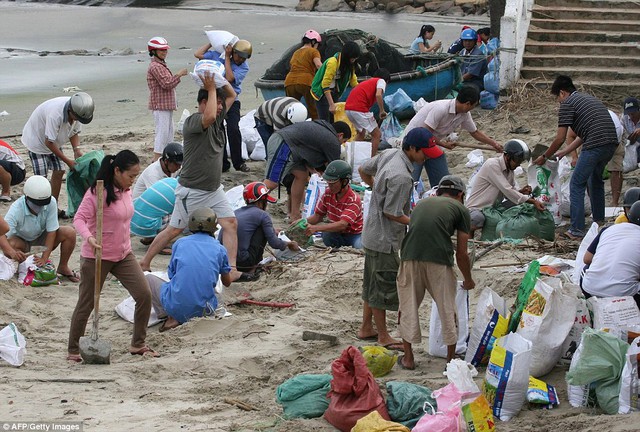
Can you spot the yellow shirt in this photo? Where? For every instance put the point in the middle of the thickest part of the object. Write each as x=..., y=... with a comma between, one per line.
x=622, y=218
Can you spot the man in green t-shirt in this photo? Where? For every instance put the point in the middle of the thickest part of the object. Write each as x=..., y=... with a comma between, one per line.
x=426, y=264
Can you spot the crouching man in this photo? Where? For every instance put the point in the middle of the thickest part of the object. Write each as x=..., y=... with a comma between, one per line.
x=196, y=263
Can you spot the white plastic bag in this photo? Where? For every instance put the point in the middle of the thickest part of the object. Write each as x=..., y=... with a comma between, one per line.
x=584, y=245
x=366, y=202
x=630, y=161
x=185, y=115
x=220, y=39
x=546, y=321
x=578, y=395
x=475, y=159
x=214, y=67
x=564, y=176
x=8, y=267
x=581, y=322
x=545, y=177
x=250, y=136
x=127, y=308
x=259, y=152
x=315, y=189
x=491, y=322
x=234, y=195
x=461, y=374
x=629, y=382
x=13, y=345
x=436, y=345
x=507, y=377
x=611, y=312
x=357, y=152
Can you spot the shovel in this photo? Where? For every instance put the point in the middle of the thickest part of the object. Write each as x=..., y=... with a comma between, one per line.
x=92, y=349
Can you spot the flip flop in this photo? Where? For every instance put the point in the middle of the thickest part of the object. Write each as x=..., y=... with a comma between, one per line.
x=163, y=327
x=368, y=338
x=401, y=366
x=73, y=277
x=145, y=351
x=570, y=236
x=74, y=358
x=396, y=346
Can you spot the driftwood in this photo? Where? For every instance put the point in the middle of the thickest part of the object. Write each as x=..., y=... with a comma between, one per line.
x=242, y=405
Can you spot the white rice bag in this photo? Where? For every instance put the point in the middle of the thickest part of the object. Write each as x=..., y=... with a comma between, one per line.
x=209, y=67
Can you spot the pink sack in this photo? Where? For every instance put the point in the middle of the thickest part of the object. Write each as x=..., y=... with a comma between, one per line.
x=447, y=397
x=354, y=392
x=448, y=421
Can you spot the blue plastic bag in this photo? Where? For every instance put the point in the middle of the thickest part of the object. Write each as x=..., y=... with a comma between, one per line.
x=390, y=127
x=488, y=100
x=492, y=77
x=398, y=101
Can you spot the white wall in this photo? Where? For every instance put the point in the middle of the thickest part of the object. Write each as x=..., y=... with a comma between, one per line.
x=514, y=26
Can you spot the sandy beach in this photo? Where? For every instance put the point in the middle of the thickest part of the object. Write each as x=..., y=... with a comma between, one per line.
x=246, y=356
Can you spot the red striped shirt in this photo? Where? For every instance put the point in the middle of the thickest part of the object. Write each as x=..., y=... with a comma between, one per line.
x=349, y=209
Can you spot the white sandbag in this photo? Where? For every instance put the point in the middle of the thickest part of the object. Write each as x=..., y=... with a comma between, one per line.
x=212, y=67
x=491, y=322
x=315, y=189
x=546, y=321
x=126, y=310
x=250, y=136
x=564, y=175
x=578, y=395
x=259, y=152
x=220, y=39
x=629, y=382
x=545, y=177
x=8, y=267
x=507, y=377
x=630, y=161
x=234, y=195
x=357, y=152
x=611, y=312
x=475, y=159
x=13, y=346
x=582, y=250
x=581, y=322
x=244, y=153
x=436, y=345
x=185, y=115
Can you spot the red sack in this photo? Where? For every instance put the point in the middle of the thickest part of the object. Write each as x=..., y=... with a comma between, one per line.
x=354, y=392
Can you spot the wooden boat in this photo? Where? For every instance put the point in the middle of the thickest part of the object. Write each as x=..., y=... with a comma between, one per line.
x=428, y=76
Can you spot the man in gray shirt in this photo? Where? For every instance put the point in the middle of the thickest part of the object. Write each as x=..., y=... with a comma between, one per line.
x=389, y=175
x=199, y=183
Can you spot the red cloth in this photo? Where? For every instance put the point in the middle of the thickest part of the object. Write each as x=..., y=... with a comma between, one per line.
x=363, y=96
x=348, y=209
x=354, y=392
x=162, y=84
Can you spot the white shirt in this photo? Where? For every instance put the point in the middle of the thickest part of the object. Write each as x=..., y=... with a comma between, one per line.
x=441, y=117
x=493, y=181
x=615, y=268
x=49, y=121
x=149, y=176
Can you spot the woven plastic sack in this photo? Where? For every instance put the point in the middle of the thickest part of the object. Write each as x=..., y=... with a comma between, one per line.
x=398, y=101
x=380, y=360
x=488, y=100
x=524, y=291
x=211, y=67
x=406, y=402
x=476, y=414
x=219, y=39
x=304, y=396
x=518, y=222
x=373, y=422
x=609, y=312
x=630, y=382
x=13, y=345
x=490, y=323
x=81, y=178
x=436, y=345
x=390, y=128
x=44, y=275
x=315, y=190
x=492, y=216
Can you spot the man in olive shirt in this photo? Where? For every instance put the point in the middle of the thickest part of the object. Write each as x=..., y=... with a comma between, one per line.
x=427, y=264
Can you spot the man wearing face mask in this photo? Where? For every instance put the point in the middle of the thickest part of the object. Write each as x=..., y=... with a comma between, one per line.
x=33, y=221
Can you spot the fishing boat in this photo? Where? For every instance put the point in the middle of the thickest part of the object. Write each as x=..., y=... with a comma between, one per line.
x=427, y=76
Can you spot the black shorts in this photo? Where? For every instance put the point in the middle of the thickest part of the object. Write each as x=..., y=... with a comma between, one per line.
x=17, y=173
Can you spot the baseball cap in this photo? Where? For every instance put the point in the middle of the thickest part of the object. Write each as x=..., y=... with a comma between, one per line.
x=422, y=138
x=631, y=105
x=452, y=182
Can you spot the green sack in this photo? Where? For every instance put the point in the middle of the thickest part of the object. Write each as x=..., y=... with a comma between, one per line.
x=405, y=402
x=547, y=225
x=296, y=233
x=601, y=362
x=45, y=275
x=304, y=396
x=518, y=222
x=492, y=216
x=81, y=178
x=524, y=291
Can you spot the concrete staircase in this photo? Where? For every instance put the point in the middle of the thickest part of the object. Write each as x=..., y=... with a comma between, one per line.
x=595, y=42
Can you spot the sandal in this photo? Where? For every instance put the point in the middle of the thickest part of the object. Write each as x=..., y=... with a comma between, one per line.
x=145, y=351
x=165, y=251
x=73, y=277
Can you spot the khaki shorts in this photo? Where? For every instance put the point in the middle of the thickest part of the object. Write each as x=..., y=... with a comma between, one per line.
x=615, y=164
x=414, y=279
x=379, y=283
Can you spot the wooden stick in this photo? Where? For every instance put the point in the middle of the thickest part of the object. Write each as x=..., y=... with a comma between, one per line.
x=98, y=276
x=242, y=405
x=474, y=146
x=489, y=249
x=501, y=265
x=73, y=380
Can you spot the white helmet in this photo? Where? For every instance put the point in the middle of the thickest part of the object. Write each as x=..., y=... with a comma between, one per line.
x=297, y=112
x=38, y=190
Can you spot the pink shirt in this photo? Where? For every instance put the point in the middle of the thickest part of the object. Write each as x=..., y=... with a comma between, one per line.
x=116, y=237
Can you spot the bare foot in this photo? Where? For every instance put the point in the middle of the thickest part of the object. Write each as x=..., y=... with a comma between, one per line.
x=169, y=324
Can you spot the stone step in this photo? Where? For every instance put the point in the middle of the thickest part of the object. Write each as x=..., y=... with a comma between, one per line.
x=545, y=35
x=584, y=74
x=579, y=60
x=595, y=4
x=607, y=26
x=611, y=90
x=597, y=14
x=588, y=48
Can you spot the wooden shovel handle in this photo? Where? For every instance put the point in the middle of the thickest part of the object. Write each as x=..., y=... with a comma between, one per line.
x=98, y=270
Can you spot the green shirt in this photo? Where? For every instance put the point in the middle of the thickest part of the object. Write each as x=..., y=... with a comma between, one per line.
x=433, y=222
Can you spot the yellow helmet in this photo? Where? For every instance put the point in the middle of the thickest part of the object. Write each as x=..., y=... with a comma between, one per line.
x=243, y=48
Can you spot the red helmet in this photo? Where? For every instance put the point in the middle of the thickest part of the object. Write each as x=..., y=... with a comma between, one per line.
x=256, y=191
x=157, y=42
x=313, y=35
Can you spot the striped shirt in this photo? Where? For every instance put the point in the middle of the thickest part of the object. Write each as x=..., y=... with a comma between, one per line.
x=154, y=204
x=274, y=112
x=348, y=208
x=162, y=84
x=10, y=155
x=589, y=119
x=391, y=195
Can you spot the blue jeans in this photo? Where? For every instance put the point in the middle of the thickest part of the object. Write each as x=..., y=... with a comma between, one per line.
x=265, y=131
x=589, y=169
x=332, y=239
x=436, y=169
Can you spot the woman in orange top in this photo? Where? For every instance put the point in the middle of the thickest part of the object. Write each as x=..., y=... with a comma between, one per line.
x=304, y=64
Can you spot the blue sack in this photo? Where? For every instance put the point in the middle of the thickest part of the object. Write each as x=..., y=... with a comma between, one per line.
x=488, y=100
x=492, y=77
x=398, y=102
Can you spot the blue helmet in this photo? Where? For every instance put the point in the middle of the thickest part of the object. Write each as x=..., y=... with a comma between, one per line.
x=469, y=34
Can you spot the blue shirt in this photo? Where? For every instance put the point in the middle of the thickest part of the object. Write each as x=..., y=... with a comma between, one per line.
x=196, y=262
x=239, y=72
x=154, y=204
x=415, y=45
x=26, y=225
x=250, y=219
x=474, y=63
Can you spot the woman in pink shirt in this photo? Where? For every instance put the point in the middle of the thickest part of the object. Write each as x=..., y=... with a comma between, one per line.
x=118, y=173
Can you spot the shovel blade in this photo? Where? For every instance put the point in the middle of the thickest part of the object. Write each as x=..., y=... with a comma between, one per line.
x=95, y=351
